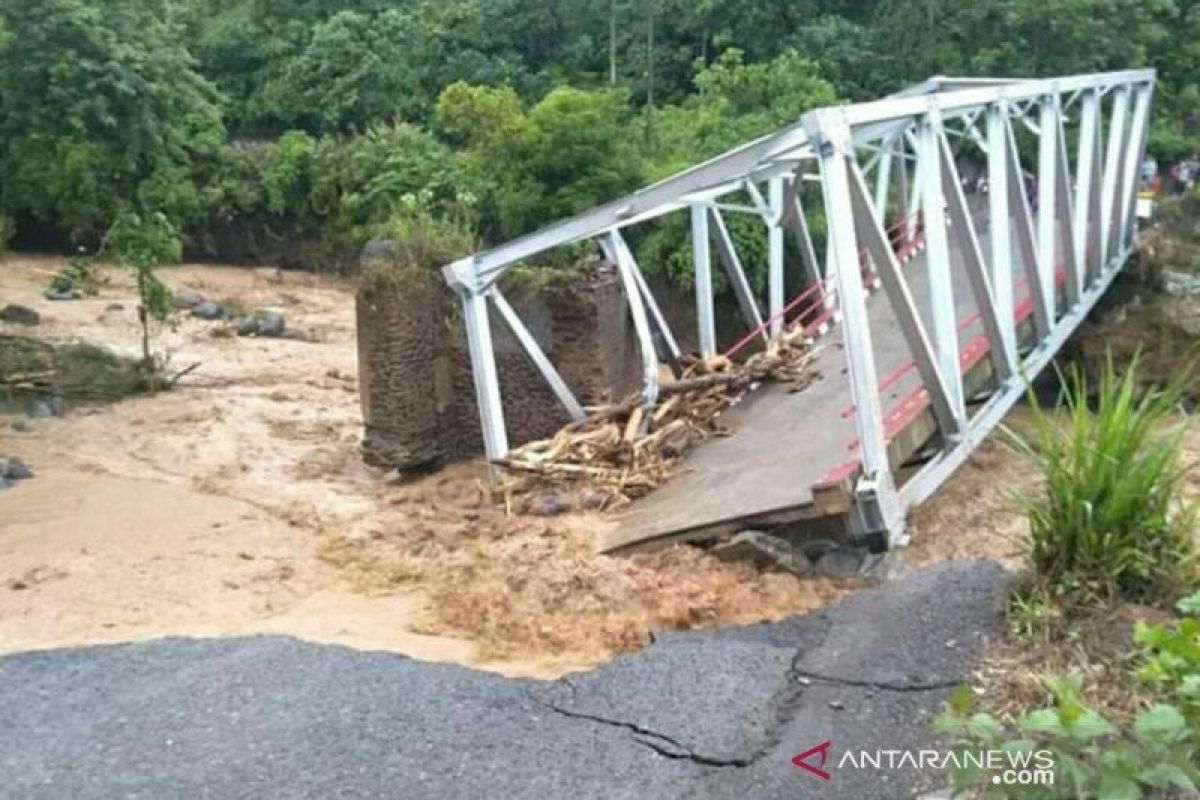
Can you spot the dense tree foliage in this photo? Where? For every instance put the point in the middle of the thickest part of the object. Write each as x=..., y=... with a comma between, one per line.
x=101, y=108
x=246, y=123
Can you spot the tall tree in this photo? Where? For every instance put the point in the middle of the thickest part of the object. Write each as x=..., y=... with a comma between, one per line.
x=101, y=110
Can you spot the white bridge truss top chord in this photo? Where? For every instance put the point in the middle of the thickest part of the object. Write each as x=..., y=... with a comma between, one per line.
x=1061, y=221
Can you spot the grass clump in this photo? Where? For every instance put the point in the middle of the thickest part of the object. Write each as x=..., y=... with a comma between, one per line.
x=1109, y=522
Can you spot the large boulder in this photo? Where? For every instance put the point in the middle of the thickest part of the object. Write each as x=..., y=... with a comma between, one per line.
x=262, y=323
x=20, y=315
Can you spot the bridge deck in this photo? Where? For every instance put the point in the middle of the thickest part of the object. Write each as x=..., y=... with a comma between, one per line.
x=784, y=443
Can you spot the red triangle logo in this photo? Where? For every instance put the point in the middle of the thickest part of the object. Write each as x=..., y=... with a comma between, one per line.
x=822, y=749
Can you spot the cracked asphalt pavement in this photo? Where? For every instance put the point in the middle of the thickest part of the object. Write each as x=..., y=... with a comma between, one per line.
x=708, y=714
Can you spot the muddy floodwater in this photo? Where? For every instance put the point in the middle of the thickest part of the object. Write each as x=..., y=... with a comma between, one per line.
x=238, y=504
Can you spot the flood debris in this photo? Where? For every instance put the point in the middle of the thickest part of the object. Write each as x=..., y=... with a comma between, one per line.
x=45, y=375
x=624, y=451
x=763, y=551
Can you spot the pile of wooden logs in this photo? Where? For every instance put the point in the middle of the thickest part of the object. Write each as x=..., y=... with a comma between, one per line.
x=623, y=451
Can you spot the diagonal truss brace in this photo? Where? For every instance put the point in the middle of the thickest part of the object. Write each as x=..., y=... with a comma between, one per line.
x=539, y=359
x=903, y=306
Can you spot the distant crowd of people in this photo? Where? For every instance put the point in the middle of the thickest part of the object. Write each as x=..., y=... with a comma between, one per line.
x=1180, y=176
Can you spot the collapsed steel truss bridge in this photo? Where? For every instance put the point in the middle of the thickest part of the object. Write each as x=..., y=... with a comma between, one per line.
x=982, y=281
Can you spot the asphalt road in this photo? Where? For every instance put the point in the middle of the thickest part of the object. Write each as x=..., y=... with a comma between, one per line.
x=701, y=714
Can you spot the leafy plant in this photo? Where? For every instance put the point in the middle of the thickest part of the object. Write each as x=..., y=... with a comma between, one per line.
x=79, y=273
x=1154, y=756
x=422, y=240
x=1108, y=521
x=144, y=243
x=1032, y=612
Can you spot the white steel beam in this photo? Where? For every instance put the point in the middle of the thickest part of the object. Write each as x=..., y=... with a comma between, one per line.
x=537, y=355
x=1086, y=188
x=808, y=252
x=871, y=234
x=1064, y=213
x=727, y=252
x=775, y=258
x=670, y=348
x=937, y=255
x=1109, y=196
x=1001, y=226
x=1136, y=145
x=860, y=355
x=1046, y=212
x=1003, y=359
x=702, y=276
x=1023, y=227
x=618, y=253
x=883, y=182
x=483, y=372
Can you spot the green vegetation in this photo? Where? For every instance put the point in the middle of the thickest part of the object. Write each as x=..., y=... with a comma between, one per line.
x=1108, y=522
x=1153, y=753
x=292, y=132
x=1110, y=538
x=142, y=244
x=32, y=369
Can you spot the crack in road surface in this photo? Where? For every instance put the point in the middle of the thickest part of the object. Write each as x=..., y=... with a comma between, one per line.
x=722, y=711
x=652, y=740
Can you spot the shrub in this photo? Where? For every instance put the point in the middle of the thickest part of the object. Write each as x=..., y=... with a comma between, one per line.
x=1155, y=755
x=1108, y=520
x=422, y=240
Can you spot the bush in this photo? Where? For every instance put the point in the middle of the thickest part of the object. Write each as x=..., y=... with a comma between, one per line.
x=422, y=240
x=336, y=192
x=1154, y=755
x=1108, y=521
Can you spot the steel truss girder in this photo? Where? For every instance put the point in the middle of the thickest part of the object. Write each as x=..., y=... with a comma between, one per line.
x=1074, y=241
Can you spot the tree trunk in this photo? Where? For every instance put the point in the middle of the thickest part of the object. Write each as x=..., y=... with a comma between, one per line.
x=612, y=42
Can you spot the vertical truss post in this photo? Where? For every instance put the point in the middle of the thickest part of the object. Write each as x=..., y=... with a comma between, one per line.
x=1135, y=148
x=937, y=254
x=733, y=270
x=1001, y=225
x=1087, y=187
x=617, y=252
x=883, y=181
x=832, y=136
x=808, y=253
x=536, y=355
x=871, y=234
x=775, y=264
x=483, y=360
x=1065, y=214
x=702, y=262
x=1023, y=226
x=1109, y=195
x=1046, y=216
x=1003, y=359
x=914, y=207
x=906, y=208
